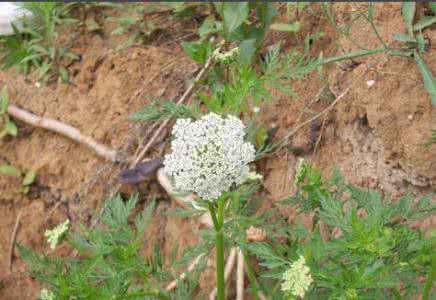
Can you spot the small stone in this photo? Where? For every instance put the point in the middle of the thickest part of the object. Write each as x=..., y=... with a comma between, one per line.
x=38, y=84
x=410, y=117
x=370, y=83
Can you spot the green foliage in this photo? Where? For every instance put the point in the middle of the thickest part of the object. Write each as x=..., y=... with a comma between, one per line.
x=198, y=51
x=432, y=139
x=163, y=110
x=109, y=265
x=240, y=22
x=6, y=125
x=372, y=253
x=133, y=23
x=35, y=45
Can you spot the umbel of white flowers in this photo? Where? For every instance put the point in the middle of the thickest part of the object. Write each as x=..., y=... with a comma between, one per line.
x=209, y=155
x=297, y=278
x=46, y=295
x=55, y=236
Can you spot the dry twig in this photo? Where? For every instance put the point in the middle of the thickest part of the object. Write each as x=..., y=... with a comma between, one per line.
x=173, y=284
x=63, y=129
x=13, y=239
x=240, y=276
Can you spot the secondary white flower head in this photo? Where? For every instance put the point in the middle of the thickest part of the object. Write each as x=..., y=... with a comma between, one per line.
x=46, y=295
x=226, y=57
x=209, y=155
x=55, y=236
x=300, y=171
x=297, y=278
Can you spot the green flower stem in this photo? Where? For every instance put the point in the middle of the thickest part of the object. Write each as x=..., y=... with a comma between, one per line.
x=429, y=283
x=218, y=222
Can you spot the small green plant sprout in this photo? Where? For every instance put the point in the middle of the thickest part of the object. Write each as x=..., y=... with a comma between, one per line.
x=210, y=157
x=7, y=127
x=432, y=140
x=134, y=24
x=109, y=264
x=57, y=234
x=297, y=279
x=28, y=177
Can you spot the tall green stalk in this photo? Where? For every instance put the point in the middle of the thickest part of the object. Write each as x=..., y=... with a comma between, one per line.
x=218, y=222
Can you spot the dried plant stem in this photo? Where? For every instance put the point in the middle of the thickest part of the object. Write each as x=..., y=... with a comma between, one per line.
x=180, y=101
x=13, y=239
x=173, y=284
x=240, y=276
x=285, y=139
x=63, y=129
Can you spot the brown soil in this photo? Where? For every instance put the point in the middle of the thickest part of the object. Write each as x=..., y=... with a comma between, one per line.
x=374, y=135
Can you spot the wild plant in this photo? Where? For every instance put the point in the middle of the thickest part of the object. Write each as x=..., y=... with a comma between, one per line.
x=8, y=127
x=35, y=46
x=109, y=264
x=361, y=246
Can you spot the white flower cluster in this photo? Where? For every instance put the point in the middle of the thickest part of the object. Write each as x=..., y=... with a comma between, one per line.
x=46, y=295
x=208, y=155
x=226, y=57
x=297, y=278
x=55, y=236
x=300, y=171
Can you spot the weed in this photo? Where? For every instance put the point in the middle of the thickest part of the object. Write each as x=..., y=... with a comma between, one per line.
x=28, y=178
x=110, y=265
x=6, y=125
x=371, y=252
x=134, y=24
x=35, y=45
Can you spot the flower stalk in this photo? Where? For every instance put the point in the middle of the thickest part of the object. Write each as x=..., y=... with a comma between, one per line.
x=218, y=222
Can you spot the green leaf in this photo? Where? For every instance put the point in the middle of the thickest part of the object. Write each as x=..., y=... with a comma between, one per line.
x=401, y=37
x=10, y=170
x=207, y=27
x=197, y=51
x=4, y=100
x=423, y=23
x=429, y=80
x=29, y=178
x=408, y=11
x=64, y=74
x=234, y=14
x=294, y=27
x=371, y=11
x=247, y=48
x=11, y=128
x=266, y=13
x=433, y=7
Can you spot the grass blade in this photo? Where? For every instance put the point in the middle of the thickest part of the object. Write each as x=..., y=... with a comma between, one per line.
x=429, y=80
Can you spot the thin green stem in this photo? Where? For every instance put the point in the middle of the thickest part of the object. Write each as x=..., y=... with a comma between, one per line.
x=429, y=283
x=218, y=222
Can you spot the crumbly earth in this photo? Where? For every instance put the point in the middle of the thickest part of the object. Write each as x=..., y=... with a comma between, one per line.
x=374, y=135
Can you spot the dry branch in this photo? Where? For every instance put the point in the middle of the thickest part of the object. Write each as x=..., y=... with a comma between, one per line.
x=173, y=284
x=63, y=129
x=13, y=239
x=240, y=276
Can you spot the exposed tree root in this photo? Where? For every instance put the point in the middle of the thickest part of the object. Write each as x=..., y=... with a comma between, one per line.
x=63, y=129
